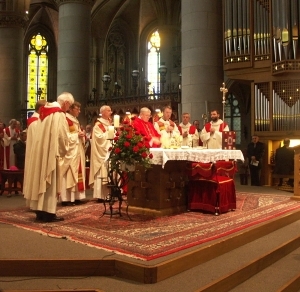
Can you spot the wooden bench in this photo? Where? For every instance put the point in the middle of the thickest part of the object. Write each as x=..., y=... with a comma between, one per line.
x=12, y=180
x=275, y=175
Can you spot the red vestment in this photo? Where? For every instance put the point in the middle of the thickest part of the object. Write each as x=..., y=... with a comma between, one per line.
x=221, y=127
x=147, y=130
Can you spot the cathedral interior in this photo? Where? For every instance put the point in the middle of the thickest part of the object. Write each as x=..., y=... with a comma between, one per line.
x=135, y=53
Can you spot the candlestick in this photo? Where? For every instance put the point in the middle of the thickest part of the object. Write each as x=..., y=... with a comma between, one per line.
x=116, y=121
x=111, y=132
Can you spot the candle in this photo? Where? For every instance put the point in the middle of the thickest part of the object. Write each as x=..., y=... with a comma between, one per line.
x=116, y=121
x=111, y=132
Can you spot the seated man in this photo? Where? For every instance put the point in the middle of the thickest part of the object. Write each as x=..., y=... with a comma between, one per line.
x=284, y=161
x=146, y=128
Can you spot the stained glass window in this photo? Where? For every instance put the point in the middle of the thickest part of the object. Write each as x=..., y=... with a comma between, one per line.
x=233, y=116
x=37, y=71
x=153, y=63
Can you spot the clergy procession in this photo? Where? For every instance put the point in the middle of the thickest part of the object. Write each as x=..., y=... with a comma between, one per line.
x=61, y=158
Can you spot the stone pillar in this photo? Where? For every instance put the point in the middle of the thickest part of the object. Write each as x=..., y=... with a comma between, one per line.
x=168, y=45
x=202, y=60
x=74, y=49
x=11, y=60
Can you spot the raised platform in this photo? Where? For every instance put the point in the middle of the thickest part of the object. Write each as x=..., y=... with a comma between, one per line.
x=146, y=272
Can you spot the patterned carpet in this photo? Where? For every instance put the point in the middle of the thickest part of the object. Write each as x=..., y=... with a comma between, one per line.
x=147, y=238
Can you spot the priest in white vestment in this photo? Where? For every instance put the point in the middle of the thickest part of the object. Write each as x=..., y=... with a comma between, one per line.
x=211, y=134
x=73, y=183
x=50, y=147
x=99, y=149
x=189, y=133
x=29, y=156
x=167, y=129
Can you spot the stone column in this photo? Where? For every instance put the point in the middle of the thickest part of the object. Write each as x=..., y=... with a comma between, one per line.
x=202, y=60
x=168, y=44
x=11, y=60
x=74, y=48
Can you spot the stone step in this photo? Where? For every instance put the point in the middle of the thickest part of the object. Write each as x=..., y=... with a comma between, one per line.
x=276, y=277
x=228, y=271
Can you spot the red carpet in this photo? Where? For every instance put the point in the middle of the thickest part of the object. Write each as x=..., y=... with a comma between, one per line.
x=148, y=238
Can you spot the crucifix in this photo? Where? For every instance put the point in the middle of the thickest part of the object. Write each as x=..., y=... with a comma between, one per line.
x=224, y=90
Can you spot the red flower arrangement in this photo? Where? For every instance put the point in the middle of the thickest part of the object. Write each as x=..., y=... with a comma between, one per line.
x=129, y=147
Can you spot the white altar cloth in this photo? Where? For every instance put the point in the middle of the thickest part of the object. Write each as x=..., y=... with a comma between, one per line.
x=161, y=156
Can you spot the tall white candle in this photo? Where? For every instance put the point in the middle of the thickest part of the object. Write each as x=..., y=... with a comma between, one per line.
x=116, y=121
x=111, y=132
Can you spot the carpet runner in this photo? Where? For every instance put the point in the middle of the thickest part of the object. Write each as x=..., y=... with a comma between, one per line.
x=146, y=237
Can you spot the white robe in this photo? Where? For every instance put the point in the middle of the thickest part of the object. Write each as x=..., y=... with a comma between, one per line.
x=190, y=140
x=29, y=158
x=99, y=150
x=213, y=141
x=50, y=146
x=165, y=137
x=74, y=156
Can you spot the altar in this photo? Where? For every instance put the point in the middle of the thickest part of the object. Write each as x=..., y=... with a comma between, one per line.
x=161, y=189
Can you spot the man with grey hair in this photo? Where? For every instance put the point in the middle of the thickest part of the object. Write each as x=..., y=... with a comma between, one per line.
x=99, y=148
x=146, y=128
x=50, y=147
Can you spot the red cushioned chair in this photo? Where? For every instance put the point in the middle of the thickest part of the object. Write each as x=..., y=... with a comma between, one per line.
x=226, y=168
x=209, y=191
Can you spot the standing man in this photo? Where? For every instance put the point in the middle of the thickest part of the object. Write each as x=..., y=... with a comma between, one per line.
x=284, y=161
x=211, y=134
x=99, y=148
x=166, y=127
x=255, y=152
x=146, y=128
x=50, y=146
x=29, y=157
x=190, y=135
x=73, y=169
x=20, y=150
x=11, y=135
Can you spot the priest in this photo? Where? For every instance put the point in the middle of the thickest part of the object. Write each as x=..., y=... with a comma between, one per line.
x=189, y=133
x=50, y=147
x=211, y=134
x=99, y=149
x=142, y=125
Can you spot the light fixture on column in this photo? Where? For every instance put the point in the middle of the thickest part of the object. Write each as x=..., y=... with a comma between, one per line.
x=117, y=88
x=162, y=70
x=106, y=81
x=135, y=74
x=179, y=85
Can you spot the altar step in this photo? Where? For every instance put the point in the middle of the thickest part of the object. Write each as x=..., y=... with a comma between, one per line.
x=269, y=263
x=246, y=261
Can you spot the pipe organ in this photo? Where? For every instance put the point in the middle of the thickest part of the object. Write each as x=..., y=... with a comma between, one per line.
x=261, y=40
x=261, y=49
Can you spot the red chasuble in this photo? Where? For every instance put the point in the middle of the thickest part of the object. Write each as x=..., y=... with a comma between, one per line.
x=146, y=129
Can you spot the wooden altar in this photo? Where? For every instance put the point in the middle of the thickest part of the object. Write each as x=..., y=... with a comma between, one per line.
x=161, y=189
